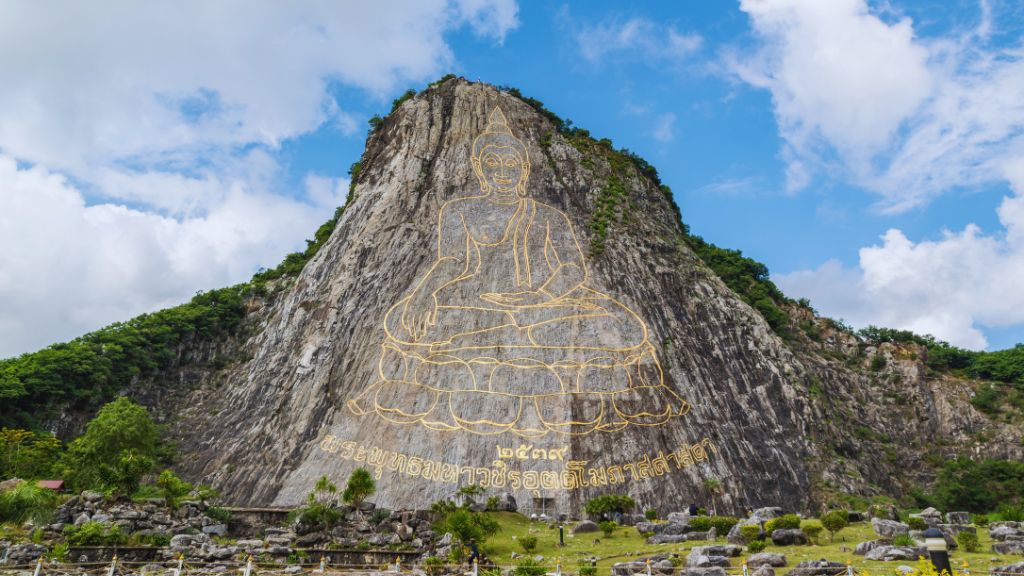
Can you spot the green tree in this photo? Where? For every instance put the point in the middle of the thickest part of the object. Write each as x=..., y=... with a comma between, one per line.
x=172, y=487
x=324, y=490
x=834, y=521
x=119, y=446
x=714, y=487
x=979, y=486
x=464, y=524
x=360, y=486
x=25, y=454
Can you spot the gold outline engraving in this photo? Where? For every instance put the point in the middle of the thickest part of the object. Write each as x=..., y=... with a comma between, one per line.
x=459, y=354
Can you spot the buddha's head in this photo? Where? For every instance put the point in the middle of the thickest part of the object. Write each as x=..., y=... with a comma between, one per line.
x=500, y=160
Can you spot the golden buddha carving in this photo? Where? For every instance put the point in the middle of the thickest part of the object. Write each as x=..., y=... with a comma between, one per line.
x=503, y=333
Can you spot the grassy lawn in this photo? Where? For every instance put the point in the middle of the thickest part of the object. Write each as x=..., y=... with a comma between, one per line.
x=626, y=540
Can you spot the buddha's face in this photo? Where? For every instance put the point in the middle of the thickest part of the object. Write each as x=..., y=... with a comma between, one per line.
x=501, y=169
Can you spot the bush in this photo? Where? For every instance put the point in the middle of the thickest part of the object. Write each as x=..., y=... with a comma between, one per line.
x=27, y=501
x=585, y=569
x=979, y=486
x=968, y=541
x=172, y=488
x=835, y=521
x=360, y=486
x=529, y=543
x=903, y=540
x=788, y=521
x=1011, y=513
x=433, y=565
x=750, y=533
x=219, y=514
x=980, y=519
x=95, y=534
x=464, y=524
x=493, y=503
x=379, y=515
x=608, y=527
x=756, y=546
x=120, y=445
x=651, y=514
x=529, y=567
x=813, y=530
x=916, y=523
x=608, y=504
x=722, y=524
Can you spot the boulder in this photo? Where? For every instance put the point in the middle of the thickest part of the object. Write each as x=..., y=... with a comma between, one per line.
x=773, y=559
x=764, y=570
x=1017, y=568
x=250, y=544
x=92, y=496
x=181, y=541
x=715, y=571
x=81, y=518
x=727, y=550
x=1001, y=533
x=958, y=517
x=1008, y=547
x=765, y=514
x=888, y=553
x=670, y=528
x=678, y=517
x=818, y=568
x=215, y=529
x=865, y=547
x=889, y=528
x=789, y=537
x=586, y=526
x=646, y=527
x=697, y=560
x=954, y=529
x=659, y=565
x=25, y=553
x=667, y=538
x=309, y=540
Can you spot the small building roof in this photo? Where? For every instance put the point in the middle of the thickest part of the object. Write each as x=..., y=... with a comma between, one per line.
x=51, y=484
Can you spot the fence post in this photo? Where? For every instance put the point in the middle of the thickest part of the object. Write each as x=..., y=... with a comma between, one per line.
x=967, y=569
x=648, y=567
x=323, y=564
x=398, y=563
x=849, y=568
x=476, y=567
x=745, y=573
x=558, y=567
x=248, y=566
x=39, y=566
x=113, y=566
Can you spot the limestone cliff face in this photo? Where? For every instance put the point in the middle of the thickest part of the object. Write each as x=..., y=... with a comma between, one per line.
x=775, y=422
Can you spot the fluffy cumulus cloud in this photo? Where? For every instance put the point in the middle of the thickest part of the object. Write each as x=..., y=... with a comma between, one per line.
x=138, y=142
x=951, y=287
x=860, y=97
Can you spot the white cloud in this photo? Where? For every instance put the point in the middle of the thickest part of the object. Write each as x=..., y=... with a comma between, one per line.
x=862, y=99
x=665, y=128
x=69, y=267
x=636, y=37
x=951, y=287
x=907, y=118
x=139, y=141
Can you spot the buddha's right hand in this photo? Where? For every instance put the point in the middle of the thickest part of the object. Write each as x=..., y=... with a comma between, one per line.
x=420, y=314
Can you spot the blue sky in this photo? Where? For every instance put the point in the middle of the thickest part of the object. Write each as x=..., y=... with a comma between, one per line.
x=870, y=153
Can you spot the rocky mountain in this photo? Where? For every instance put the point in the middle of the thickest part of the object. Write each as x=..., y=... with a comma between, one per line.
x=506, y=303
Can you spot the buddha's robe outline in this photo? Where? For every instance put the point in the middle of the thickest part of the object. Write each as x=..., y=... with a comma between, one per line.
x=577, y=363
